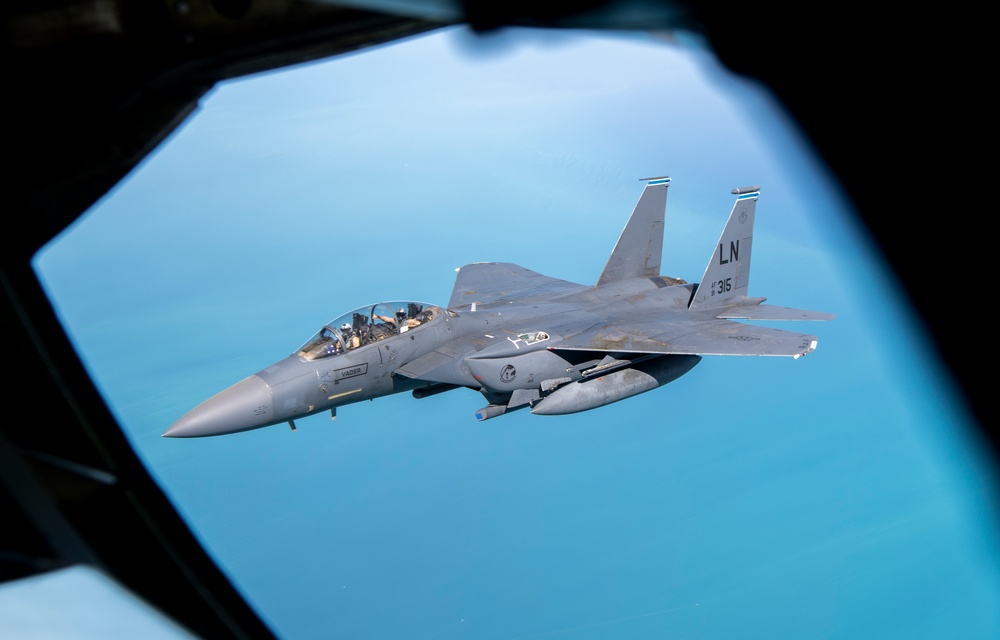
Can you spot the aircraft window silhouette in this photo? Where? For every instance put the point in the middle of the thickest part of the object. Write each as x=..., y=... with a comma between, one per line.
x=404, y=512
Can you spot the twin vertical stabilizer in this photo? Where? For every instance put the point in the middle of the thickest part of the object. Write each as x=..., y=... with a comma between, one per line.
x=639, y=248
x=727, y=275
x=723, y=287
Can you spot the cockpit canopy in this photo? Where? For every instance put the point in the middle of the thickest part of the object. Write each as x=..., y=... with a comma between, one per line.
x=366, y=325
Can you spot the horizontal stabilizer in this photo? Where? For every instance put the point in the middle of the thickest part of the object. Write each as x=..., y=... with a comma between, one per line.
x=771, y=312
x=701, y=337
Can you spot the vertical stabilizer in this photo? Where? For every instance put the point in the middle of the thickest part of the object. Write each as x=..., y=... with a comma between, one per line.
x=727, y=275
x=637, y=254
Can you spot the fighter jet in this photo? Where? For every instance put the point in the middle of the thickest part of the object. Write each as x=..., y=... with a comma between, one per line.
x=526, y=340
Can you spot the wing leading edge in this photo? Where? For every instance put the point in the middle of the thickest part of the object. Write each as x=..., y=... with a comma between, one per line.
x=488, y=283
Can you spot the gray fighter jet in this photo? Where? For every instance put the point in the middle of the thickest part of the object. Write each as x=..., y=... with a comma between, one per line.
x=523, y=339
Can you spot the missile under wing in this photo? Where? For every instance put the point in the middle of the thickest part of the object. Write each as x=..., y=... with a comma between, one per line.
x=525, y=340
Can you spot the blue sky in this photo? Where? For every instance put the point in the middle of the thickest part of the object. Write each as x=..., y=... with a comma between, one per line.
x=831, y=496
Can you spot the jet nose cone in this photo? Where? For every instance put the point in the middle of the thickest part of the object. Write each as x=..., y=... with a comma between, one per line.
x=245, y=405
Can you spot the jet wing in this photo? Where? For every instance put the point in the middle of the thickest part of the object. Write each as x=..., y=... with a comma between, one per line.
x=691, y=337
x=488, y=283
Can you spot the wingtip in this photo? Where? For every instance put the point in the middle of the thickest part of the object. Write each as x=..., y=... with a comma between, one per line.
x=812, y=347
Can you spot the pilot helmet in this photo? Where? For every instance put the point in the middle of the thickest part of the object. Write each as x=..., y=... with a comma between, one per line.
x=346, y=329
x=400, y=313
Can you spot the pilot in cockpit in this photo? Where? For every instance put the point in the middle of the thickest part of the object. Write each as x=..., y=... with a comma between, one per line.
x=405, y=320
x=350, y=337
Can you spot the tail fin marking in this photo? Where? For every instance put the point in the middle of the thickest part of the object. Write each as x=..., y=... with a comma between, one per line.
x=727, y=276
